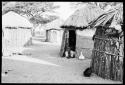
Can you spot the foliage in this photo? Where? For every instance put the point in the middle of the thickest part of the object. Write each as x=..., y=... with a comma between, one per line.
x=102, y=5
x=30, y=9
x=39, y=19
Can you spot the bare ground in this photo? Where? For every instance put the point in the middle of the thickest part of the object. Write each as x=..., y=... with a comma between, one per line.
x=67, y=71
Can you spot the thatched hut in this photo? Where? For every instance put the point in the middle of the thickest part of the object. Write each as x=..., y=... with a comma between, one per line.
x=16, y=31
x=108, y=51
x=54, y=32
x=39, y=22
x=39, y=33
x=78, y=21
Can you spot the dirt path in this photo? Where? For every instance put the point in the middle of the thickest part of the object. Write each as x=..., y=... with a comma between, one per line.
x=50, y=69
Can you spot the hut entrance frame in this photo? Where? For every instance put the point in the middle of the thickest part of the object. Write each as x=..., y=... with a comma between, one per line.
x=68, y=41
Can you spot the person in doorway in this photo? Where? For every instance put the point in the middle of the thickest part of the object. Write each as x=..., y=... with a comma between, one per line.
x=72, y=53
x=69, y=53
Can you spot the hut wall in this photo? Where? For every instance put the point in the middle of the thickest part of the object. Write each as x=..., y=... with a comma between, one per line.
x=84, y=44
x=54, y=36
x=107, y=55
x=64, y=43
x=48, y=35
x=59, y=38
x=13, y=39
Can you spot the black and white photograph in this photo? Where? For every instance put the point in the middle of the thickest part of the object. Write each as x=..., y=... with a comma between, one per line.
x=62, y=42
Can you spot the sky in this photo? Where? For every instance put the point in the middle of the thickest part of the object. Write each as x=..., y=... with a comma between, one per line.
x=64, y=11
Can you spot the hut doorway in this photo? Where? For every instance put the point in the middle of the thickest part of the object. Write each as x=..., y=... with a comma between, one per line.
x=68, y=41
x=72, y=40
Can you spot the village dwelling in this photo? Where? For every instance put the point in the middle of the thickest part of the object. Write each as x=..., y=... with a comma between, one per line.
x=16, y=32
x=39, y=25
x=73, y=31
x=108, y=51
x=39, y=33
x=54, y=32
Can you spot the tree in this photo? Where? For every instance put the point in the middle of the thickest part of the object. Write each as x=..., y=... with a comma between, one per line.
x=102, y=5
x=29, y=8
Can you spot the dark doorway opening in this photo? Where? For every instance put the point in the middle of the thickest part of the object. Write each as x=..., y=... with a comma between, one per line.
x=68, y=43
x=72, y=40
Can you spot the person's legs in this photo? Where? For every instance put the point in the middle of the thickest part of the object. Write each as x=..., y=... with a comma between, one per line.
x=72, y=54
x=68, y=53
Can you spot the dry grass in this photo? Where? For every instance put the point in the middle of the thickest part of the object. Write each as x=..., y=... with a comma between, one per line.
x=83, y=16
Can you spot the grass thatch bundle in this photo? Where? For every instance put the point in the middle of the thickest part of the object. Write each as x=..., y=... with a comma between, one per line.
x=107, y=55
x=108, y=51
x=82, y=17
x=111, y=17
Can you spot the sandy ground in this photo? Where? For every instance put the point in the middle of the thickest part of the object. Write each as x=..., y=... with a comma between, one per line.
x=43, y=65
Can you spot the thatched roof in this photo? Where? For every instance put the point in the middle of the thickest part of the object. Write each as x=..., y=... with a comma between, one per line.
x=82, y=17
x=111, y=17
x=13, y=19
x=54, y=24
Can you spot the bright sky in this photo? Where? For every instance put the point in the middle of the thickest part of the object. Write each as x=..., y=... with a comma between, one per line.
x=64, y=11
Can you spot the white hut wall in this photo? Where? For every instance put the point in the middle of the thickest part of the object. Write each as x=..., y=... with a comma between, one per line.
x=59, y=36
x=54, y=35
x=6, y=34
x=17, y=37
x=49, y=35
x=84, y=43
